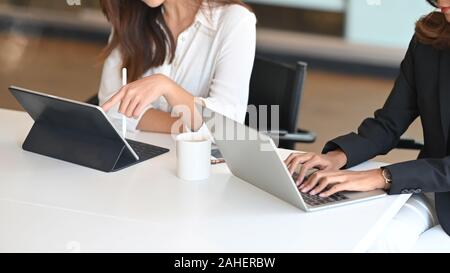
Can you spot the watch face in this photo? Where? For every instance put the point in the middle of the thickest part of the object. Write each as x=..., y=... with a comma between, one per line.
x=387, y=174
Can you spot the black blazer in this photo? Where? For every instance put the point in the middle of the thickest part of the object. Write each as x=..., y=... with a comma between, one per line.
x=421, y=90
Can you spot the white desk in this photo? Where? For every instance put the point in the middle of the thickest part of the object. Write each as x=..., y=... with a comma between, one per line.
x=49, y=205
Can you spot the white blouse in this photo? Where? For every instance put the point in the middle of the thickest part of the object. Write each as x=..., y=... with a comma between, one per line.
x=213, y=61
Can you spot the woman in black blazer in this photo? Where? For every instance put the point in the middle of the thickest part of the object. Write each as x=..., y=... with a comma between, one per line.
x=421, y=90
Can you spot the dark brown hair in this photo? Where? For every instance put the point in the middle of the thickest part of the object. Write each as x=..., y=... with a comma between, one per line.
x=434, y=29
x=141, y=33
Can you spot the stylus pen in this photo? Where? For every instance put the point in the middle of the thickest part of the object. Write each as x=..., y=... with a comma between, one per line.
x=124, y=119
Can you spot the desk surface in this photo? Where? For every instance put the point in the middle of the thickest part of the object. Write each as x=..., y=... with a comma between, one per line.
x=49, y=205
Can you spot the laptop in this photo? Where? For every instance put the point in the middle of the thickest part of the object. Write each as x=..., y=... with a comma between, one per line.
x=79, y=133
x=253, y=157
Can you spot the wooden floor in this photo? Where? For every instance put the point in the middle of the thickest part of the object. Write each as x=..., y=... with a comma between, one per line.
x=333, y=104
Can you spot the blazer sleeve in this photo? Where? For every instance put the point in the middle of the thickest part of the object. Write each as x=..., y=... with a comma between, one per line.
x=380, y=134
x=422, y=175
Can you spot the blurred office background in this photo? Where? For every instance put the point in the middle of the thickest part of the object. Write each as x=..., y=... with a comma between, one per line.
x=353, y=48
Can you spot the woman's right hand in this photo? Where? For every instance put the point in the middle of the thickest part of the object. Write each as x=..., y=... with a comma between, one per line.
x=331, y=161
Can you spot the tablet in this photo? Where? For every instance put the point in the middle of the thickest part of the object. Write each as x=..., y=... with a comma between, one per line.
x=72, y=124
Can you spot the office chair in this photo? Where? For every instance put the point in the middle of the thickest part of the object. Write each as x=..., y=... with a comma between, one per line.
x=275, y=83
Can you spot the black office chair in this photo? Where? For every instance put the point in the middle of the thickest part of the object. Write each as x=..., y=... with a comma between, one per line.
x=275, y=83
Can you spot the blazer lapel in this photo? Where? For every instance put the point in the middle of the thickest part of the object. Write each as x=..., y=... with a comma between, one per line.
x=444, y=92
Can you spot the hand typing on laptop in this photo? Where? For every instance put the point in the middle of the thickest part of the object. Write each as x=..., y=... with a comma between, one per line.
x=329, y=178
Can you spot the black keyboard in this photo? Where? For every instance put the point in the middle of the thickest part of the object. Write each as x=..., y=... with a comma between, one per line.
x=146, y=151
x=316, y=200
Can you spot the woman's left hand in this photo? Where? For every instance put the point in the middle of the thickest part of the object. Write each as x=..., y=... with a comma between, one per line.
x=328, y=183
x=136, y=96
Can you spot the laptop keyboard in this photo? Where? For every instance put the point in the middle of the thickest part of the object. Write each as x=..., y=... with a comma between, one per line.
x=316, y=200
x=146, y=151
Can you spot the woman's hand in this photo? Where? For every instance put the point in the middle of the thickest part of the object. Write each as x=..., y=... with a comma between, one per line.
x=134, y=97
x=331, y=161
x=328, y=183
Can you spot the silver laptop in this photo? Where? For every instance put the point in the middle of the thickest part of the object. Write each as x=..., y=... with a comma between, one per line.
x=253, y=157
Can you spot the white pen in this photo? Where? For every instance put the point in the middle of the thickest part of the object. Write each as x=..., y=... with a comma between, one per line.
x=124, y=119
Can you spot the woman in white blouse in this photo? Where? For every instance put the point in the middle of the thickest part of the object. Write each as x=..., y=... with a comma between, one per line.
x=176, y=51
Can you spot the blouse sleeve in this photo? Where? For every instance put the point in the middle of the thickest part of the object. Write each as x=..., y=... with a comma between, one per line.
x=229, y=89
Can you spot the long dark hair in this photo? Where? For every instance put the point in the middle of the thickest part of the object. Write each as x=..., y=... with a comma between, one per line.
x=434, y=29
x=141, y=33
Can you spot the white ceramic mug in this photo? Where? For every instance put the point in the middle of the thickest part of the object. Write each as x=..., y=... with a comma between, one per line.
x=193, y=156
